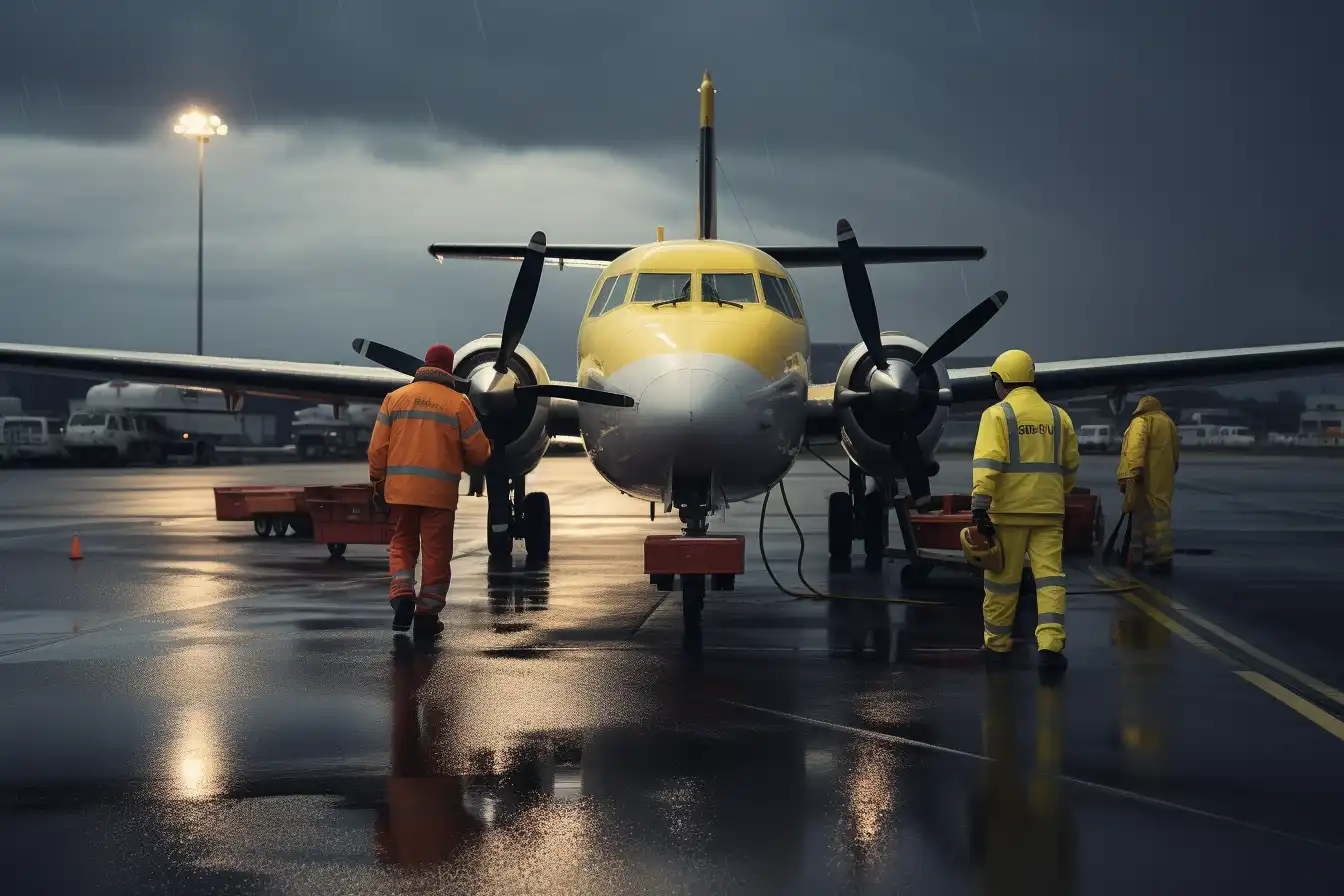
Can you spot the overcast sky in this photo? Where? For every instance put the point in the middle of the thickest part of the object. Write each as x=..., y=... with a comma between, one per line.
x=1146, y=176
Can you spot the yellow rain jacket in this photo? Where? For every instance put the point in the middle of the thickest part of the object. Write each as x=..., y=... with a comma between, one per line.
x=1026, y=460
x=1151, y=454
x=425, y=434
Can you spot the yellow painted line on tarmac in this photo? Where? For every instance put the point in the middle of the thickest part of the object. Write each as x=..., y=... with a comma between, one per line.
x=1298, y=675
x=1295, y=702
x=1157, y=615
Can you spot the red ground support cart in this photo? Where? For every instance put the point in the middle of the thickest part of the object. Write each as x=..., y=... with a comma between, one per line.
x=273, y=509
x=345, y=514
x=939, y=528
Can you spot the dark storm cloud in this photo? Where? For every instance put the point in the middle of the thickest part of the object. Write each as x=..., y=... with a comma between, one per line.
x=1146, y=176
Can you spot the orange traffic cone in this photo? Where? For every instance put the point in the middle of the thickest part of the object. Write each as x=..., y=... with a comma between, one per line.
x=75, y=552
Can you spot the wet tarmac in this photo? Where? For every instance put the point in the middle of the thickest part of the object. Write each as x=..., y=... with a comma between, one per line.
x=193, y=709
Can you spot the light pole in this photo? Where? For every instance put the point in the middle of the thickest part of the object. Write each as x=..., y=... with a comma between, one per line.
x=200, y=127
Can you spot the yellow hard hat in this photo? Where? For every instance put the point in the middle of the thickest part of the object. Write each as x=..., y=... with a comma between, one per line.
x=980, y=552
x=1014, y=367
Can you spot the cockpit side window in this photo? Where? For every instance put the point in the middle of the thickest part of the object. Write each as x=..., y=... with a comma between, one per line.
x=616, y=298
x=797, y=298
x=600, y=293
x=739, y=288
x=650, y=288
x=610, y=294
x=779, y=297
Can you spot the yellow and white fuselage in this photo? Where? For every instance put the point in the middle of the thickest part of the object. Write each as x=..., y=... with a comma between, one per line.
x=709, y=338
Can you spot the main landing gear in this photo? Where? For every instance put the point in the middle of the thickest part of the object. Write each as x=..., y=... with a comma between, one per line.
x=514, y=513
x=859, y=515
x=704, y=562
x=862, y=515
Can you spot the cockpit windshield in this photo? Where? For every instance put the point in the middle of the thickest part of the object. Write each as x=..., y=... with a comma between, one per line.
x=739, y=289
x=650, y=288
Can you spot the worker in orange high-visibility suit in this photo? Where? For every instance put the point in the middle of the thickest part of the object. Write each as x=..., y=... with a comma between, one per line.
x=1149, y=459
x=425, y=434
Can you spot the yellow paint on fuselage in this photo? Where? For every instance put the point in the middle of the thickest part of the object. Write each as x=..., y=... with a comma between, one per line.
x=757, y=334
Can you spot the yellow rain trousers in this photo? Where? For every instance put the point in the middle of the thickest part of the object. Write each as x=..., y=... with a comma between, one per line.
x=1150, y=456
x=1026, y=461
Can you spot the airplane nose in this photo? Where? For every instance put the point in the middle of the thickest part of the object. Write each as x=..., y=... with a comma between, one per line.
x=695, y=413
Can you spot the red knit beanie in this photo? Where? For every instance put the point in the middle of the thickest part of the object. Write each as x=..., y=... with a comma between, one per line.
x=440, y=356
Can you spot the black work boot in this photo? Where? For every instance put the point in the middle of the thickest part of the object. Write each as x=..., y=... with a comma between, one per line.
x=1051, y=662
x=404, y=609
x=995, y=659
x=426, y=625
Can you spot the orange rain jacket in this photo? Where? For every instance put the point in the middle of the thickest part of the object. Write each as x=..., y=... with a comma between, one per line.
x=425, y=434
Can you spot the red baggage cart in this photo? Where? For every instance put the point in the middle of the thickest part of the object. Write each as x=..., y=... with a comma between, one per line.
x=344, y=515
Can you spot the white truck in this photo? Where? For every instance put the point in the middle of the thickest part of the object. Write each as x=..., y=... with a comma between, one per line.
x=39, y=440
x=121, y=422
x=1214, y=436
x=1099, y=438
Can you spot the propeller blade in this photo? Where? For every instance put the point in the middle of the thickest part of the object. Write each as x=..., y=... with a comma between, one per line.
x=395, y=359
x=579, y=393
x=392, y=358
x=961, y=331
x=860, y=291
x=521, y=302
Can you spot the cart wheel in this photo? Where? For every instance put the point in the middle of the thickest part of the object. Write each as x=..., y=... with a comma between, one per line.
x=262, y=526
x=280, y=527
x=537, y=525
x=336, y=550
x=303, y=527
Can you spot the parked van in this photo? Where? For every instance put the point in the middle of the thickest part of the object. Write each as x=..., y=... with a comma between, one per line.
x=1098, y=438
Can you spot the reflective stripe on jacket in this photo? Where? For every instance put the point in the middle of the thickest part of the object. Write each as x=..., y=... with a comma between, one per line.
x=1026, y=459
x=425, y=435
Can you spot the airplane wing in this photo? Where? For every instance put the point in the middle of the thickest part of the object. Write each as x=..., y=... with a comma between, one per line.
x=599, y=255
x=1101, y=377
x=246, y=376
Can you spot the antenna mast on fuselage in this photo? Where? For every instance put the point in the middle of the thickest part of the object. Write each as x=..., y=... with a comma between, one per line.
x=707, y=212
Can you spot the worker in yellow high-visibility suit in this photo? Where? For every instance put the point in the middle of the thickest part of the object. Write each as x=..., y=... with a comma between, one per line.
x=1026, y=461
x=1149, y=458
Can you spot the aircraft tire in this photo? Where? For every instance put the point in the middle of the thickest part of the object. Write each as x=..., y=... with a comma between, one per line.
x=537, y=525
x=875, y=526
x=840, y=525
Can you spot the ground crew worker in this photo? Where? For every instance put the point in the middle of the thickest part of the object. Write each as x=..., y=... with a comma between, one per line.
x=1149, y=458
x=1026, y=461
x=424, y=435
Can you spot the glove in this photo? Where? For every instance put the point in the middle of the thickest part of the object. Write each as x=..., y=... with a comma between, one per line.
x=982, y=522
x=379, y=499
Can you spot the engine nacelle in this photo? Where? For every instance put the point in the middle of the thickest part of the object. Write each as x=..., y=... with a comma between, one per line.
x=519, y=432
x=865, y=435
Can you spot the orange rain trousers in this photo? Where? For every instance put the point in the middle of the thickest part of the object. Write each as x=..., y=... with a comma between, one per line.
x=416, y=527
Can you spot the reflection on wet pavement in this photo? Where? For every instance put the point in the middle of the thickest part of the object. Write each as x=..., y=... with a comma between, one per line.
x=194, y=710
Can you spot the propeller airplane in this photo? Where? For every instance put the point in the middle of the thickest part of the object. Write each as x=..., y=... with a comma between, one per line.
x=692, y=387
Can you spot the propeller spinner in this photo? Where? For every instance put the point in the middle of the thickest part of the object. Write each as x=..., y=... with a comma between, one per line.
x=893, y=387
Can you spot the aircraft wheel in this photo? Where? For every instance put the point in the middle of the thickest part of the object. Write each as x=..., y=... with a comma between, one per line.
x=499, y=543
x=840, y=524
x=692, y=605
x=875, y=525
x=537, y=525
